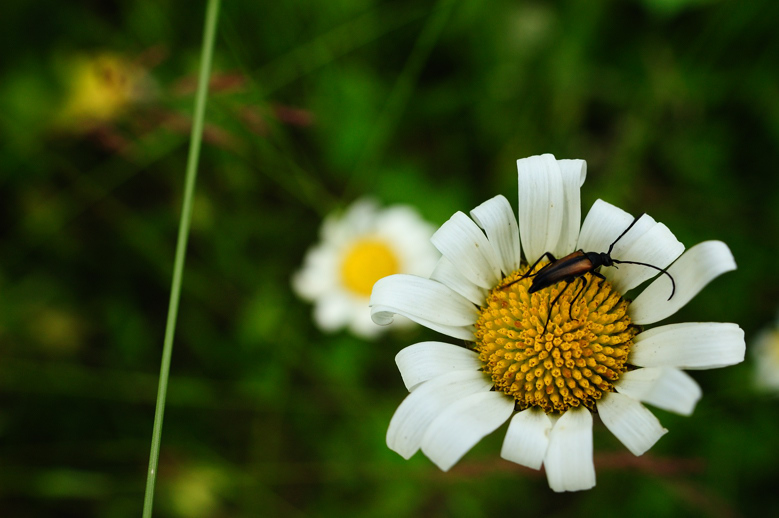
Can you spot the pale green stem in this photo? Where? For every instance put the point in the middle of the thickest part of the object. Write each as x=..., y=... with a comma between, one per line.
x=212, y=15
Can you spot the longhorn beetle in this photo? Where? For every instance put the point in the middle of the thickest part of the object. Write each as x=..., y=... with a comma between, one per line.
x=569, y=268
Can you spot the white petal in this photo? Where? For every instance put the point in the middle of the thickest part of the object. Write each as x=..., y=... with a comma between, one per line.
x=461, y=425
x=657, y=246
x=424, y=301
x=358, y=218
x=631, y=234
x=497, y=219
x=423, y=297
x=446, y=273
x=621, y=242
x=666, y=388
x=423, y=361
x=333, y=311
x=541, y=205
x=409, y=235
x=316, y=276
x=692, y=271
x=573, y=173
x=527, y=438
x=363, y=326
x=422, y=406
x=603, y=224
x=462, y=242
x=630, y=422
x=383, y=315
x=568, y=461
x=691, y=345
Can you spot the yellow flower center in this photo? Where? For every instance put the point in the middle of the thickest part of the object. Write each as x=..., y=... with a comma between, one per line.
x=365, y=262
x=578, y=358
x=101, y=88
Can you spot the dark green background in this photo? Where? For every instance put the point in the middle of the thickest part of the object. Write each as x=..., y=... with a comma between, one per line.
x=674, y=104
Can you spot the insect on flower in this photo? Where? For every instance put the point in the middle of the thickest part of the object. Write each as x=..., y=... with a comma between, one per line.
x=549, y=387
x=576, y=264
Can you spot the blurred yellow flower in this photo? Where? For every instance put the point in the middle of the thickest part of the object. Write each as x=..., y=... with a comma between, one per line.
x=99, y=89
x=357, y=248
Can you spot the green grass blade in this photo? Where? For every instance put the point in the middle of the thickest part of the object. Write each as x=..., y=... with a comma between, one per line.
x=212, y=15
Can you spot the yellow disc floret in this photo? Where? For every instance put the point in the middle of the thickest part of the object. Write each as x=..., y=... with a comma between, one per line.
x=574, y=362
x=365, y=262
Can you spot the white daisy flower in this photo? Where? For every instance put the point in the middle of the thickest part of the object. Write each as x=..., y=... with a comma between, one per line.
x=357, y=248
x=765, y=353
x=551, y=366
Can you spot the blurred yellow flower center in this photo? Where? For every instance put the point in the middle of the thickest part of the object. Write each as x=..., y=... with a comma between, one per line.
x=578, y=358
x=366, y=262
x=101, y=88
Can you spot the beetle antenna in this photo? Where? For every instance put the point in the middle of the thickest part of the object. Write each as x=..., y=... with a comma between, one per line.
x=611, y=247
x=661, y=270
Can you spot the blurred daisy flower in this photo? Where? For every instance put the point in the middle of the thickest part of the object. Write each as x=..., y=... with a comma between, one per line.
x=357, y=248
x=765, y=353
x=552, y=366
x=99, y=89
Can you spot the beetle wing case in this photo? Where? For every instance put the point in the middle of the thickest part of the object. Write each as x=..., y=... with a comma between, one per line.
x=564, y=269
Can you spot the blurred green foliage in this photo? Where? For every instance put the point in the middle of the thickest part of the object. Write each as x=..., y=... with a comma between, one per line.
x=673, y=103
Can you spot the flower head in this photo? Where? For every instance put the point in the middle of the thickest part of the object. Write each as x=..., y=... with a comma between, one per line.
x=553, y=354
x=100, y=88
x=357, y=248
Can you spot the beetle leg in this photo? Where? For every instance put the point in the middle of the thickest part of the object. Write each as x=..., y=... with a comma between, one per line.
x=549, y=313
x=549, y=256
x=585, y=282
x=527, y=274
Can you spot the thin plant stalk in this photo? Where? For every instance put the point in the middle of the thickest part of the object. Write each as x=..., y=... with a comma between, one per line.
x=212, y=15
